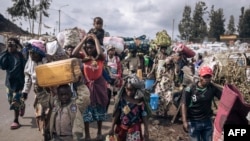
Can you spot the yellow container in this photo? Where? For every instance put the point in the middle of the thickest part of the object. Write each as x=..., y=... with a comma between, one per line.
x=139, y=73
x=58, y=72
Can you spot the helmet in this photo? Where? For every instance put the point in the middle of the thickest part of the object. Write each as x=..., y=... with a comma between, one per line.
x=205, y=71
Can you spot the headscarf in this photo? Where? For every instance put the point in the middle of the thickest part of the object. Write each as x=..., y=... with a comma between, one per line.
x=38, y=47
x=135, y=81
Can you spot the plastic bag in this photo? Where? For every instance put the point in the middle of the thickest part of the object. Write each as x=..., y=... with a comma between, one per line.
x=116, y=42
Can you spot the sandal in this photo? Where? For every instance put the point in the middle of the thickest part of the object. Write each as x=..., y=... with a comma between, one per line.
x=15, y=125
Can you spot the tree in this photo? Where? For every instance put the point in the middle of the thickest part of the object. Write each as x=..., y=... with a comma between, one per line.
x=199, y=27
x=23, y=9
x=185, y=24
x=42, y=8
x=240, y=24
x=244, y=24
x=216, y=23
x=231, y=26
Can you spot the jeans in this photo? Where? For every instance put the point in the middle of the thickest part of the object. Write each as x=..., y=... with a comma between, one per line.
x=201, y=130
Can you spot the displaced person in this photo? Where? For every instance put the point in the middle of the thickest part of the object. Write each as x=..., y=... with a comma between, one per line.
x=163, y=72
x=115, y=69
x=198, y=62
x=130, y=112
x=93, y=70
x=13, y=62
x=42, y=98
x=66, y=123
x=180, y=61
x=133, y=62
x=197, y=106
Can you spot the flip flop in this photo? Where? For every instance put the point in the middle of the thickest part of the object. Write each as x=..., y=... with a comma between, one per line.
x=15, y=125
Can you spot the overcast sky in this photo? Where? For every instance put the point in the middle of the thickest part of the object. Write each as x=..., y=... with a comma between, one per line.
x=127, y=18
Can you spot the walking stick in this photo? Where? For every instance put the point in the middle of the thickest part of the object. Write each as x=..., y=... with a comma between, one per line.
x=176, y=114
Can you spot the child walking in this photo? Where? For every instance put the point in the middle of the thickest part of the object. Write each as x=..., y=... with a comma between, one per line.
x=93, y=60
x=13, y=62
x=66, y=123
x=130, y=112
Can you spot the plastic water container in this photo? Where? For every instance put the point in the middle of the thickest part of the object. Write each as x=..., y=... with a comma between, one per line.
x=154, y=101
x=149, y=83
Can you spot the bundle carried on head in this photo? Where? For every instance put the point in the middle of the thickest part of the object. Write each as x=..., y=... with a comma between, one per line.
x=70, y=37
x=163, y=39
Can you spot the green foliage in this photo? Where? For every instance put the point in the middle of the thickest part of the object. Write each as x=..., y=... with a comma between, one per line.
x=244, y=24
x=216, y=23
x=19, y=9
x=199, y=27
x=185, y=23
x=24, y=9
x=231, y=26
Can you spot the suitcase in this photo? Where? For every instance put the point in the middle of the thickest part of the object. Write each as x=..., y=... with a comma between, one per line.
x=58, y=72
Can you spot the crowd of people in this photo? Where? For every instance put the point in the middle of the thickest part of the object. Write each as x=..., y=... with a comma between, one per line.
x=64, y=112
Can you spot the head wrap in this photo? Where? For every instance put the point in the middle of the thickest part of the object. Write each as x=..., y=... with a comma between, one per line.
x=39, y=48
x=135, y=81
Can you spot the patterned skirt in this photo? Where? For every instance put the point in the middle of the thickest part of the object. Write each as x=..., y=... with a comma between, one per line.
x=132, y=133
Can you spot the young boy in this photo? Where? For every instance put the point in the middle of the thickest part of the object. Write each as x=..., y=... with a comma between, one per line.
x=98, y=29
x=66, y=123
x=13, y=62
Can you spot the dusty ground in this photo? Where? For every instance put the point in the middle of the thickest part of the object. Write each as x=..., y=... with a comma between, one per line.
x=161, y=129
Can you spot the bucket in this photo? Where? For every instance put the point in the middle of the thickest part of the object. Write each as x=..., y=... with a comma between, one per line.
x=154, y=101
x=149, y=83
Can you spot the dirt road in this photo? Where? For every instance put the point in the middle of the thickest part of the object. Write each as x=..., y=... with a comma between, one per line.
x=160, y=128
